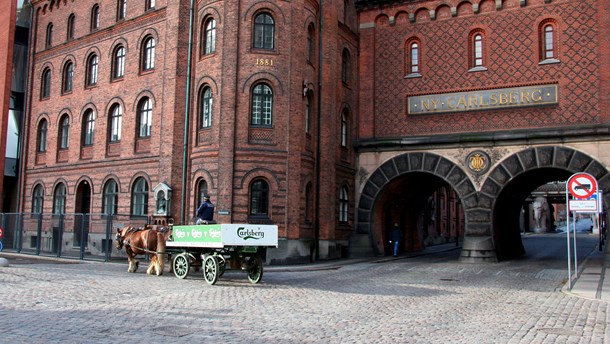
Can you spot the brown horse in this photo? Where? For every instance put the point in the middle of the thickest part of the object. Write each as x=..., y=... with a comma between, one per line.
x=149, y=239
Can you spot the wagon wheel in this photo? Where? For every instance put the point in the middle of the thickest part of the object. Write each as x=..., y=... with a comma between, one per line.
x=254, y=269
x=210, y=269
x=181, y=266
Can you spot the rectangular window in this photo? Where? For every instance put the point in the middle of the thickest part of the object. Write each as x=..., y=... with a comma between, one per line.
x=122, y=10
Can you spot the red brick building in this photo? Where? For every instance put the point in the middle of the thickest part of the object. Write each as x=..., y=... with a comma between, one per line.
x=251, y=102
x=7, y=40
x=332, y=119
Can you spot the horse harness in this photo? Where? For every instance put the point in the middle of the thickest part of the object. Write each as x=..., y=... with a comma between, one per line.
x=132, y=230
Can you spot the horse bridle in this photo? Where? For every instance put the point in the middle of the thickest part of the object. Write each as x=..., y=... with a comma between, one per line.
x=119, y=240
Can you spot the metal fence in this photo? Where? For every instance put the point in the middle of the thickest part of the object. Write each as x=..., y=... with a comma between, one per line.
x=78, y=236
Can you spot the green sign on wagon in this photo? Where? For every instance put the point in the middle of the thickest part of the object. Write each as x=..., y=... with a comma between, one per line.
x=208, y=235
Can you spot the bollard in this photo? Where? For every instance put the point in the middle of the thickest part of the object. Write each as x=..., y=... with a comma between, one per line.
x=3, y=262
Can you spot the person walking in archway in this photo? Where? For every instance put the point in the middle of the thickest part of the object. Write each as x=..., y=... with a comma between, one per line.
x=395, y=238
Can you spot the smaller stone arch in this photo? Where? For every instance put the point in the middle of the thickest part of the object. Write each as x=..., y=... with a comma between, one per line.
x=516, y=175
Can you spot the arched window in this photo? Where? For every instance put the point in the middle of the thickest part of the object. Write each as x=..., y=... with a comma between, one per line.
x=139, y=197
x=413, y=58
x=49, y=37
x=262, y=106
x=121, y=10
x=206, y=102
x=345, y=68
x=95, y=17
x=67, y=78
x=259, y=198
x=37, y=199
x=310, y=43
x=92, y=65
x=477, y=50
x=45, y=88
x=144, y=117
x=70, y=27
x=344, y=128
x=116, y=123
x=264, y=31
x=88, y=127
x=148, y=54
x=118, y=62
x=548, y=40
x=59, y=199
x=64, y=132
x=202, y=190
x=343, y=205
x=42, y=136
x=209, y=37
x=111, y=197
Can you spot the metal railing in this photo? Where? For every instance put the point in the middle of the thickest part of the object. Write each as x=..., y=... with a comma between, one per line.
x=77, y=236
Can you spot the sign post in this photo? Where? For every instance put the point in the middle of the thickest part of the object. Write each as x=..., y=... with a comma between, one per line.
x=581, y=186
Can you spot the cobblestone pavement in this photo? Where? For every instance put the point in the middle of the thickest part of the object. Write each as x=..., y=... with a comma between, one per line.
x=430, y=299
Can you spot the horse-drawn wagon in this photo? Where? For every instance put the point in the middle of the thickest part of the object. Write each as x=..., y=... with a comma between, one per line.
x=218, y=247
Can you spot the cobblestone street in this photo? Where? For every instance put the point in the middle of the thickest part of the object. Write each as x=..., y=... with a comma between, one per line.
x=428, y=299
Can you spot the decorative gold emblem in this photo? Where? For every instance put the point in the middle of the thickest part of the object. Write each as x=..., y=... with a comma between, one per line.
x=478, y=161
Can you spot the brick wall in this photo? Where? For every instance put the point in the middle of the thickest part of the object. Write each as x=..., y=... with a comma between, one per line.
x=511, y=49
x=231, y=154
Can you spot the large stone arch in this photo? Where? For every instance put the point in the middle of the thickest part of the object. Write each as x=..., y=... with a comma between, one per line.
x=556, y=160
x=420, y=162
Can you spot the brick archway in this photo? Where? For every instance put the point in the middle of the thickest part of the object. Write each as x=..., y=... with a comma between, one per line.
x=517, y=175
x=478, y=245
x=421, y=162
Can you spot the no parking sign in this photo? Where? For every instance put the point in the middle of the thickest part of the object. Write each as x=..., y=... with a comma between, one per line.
x=1, y=234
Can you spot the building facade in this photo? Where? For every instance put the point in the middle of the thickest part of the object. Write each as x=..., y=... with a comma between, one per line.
x=332, y=119
x=140, y=108
x=490, y=99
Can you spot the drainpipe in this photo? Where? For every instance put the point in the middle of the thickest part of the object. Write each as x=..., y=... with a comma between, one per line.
x=319, y=128
x=187, y=112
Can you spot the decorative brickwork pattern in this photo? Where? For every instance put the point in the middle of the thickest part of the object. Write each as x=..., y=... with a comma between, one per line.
x=512, y=48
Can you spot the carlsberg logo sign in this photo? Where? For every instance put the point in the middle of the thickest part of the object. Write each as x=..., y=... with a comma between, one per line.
x=250, y=233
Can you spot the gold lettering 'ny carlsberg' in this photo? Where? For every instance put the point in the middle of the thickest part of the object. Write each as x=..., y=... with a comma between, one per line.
x=482, y=100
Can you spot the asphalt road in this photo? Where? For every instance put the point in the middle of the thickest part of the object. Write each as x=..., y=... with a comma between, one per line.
x=425, y=299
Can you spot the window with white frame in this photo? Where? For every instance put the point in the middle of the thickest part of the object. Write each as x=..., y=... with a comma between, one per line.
x=262, y=106
x=116, y=123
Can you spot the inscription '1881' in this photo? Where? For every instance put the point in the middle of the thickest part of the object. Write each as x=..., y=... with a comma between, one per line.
x=264, y=62
x=483, y=100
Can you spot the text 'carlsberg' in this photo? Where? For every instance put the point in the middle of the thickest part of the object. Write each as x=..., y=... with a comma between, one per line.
x=248, y=233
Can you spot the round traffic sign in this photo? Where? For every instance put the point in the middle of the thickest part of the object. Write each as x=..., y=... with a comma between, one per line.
x=0, y=246
x=582, y=185
x=1, y=232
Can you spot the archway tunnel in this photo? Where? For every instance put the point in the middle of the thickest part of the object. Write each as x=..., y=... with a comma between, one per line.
x=424, y=207
x=511, y=212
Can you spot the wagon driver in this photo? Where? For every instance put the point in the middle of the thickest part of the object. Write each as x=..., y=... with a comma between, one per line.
x=205, y=212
